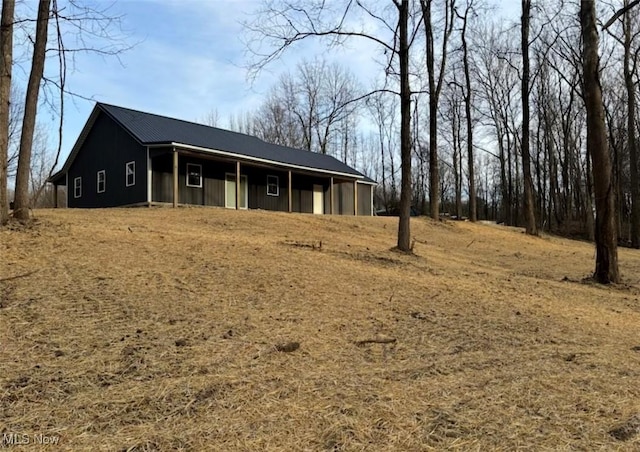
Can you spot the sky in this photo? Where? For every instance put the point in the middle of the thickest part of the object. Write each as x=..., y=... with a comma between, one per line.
x=187, y=59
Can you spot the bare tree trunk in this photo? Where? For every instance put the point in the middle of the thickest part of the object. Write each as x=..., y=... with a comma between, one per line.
x=529, y=212
x=6, y=65
x=457, y=168
x=434, y=172
x=435, y=87
x=589, y=226
x=554, y=195
x=541, y=175
x=631, y=133
x=385, y=197
x=404, y=234
x=504, y=185
x=516, y=185
x=22, y=201
x=473, y=209
x=553, y=187
x=605, y=231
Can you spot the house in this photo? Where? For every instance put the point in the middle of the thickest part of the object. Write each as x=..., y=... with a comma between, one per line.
x=126, y=157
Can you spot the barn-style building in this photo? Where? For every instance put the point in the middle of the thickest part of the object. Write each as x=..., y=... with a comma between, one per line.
x=125, y=157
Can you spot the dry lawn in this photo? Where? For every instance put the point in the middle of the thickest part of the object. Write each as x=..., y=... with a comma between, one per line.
x=163, y=329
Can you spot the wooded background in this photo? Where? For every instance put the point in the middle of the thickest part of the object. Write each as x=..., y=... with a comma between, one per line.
x=490, y=107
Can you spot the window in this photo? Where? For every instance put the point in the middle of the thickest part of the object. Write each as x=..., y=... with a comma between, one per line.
x=131, y=174
x=102, y=181
x=77, y=187
x=194, y=175
x=273, y=187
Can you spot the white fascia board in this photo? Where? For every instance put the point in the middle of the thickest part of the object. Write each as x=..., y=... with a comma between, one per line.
x=365, y=182
x=259, y=160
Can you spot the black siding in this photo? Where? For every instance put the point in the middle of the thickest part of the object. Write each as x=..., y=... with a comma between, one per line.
x=210, y=194
x=302, y=188
x=108, y=147
x=343, y=197
x=364, y=199
x=258, y=197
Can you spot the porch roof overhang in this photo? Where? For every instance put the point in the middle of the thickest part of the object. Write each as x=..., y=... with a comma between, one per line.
x=57, y=177
x=273, y=163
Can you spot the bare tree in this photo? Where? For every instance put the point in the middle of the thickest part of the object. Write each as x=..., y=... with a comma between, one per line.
x=383, y=113
x=405, y=126
x=605, y=232
x=529, y=211
x=560, y=78
x=74, y=20
x=452, y=115
x=498, y=85
x=283, y=24
x=311, y=108
x=435, y=87
x=22, y=200
x=335, y=104
x=629, y=71
x=306, y=99
x=6, y=66
x=16, y=113
x=212, y=118
x=41, y=164
x=276, y=120
x=630, y=64
x=473, y=208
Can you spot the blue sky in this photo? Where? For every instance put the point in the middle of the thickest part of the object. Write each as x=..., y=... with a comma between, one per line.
x=188, y=60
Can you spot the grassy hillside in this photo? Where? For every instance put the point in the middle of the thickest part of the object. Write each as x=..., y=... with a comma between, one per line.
x=159, y=329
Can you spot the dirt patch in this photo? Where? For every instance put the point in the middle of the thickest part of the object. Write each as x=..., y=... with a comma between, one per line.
x=628, y=430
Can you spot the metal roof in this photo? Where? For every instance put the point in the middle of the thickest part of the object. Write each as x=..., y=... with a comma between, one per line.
x=151, y=129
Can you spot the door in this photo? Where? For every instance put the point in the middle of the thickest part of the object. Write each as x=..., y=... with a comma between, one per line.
x=318, y=199
x=230, y=191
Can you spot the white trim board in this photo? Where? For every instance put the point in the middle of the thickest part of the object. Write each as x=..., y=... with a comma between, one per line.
x=260, y=160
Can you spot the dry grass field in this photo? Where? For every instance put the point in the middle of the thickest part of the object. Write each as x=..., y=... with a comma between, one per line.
x=163, y=329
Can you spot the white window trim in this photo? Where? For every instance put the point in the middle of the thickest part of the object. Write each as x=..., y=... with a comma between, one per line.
x=77, y=187
x=133, y=172
x=277, y=184
x=186, y=179
x=104, y=181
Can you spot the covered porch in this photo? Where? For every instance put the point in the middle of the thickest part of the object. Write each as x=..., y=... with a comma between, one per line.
x=180, y=175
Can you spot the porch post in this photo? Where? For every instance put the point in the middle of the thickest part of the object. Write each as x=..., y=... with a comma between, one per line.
x=372, y=211
x=175, y=177
x=238, y=185
x=55, y=196
x=149, y=177
x=331, y=196
x=289, y=194
x=355, y=197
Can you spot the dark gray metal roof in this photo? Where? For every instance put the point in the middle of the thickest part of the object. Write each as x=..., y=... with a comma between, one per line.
x=151, y=129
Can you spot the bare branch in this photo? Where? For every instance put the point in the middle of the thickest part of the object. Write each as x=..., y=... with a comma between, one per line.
x=619, y=13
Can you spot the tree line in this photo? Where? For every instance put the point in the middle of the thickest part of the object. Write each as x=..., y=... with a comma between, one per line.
x=530, y=121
